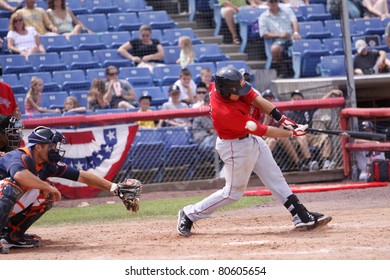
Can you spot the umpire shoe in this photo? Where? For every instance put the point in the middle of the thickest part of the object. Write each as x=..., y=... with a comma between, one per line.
x=315, y=220
x=184, y=224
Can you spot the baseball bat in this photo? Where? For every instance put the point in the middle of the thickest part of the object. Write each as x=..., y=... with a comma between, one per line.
x=352, y=134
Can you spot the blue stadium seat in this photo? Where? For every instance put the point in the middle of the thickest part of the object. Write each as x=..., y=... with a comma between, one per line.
x=111, y=57
x=115, y=39
x=334, y=26
x=86, y=42
x=209, y=53
x=136, y=76
x=156, y=34
x=171, y=54
x=333, y=65
x=172, y=35
x=334, y=45
x=46, y=115
x=46, y=62
x=238, y=64
x=146, y=157
x=314, y=12
x=13, y=81
x=77, y=7
x=123, y=22
x=4, y=23
x=15, y=64
x=48, y=84
x=56, y=43
x=110, y=111
x=373, y=42
x=146, y=135
x=199, y=6
x=79, y=60
x=19, y=98
x=158, y=96
x=53, y=99
x=95, y=22
x=166, y=75
x=313, y=30
x=369, y=26
x=41, y=4
x=131, y=6
x=81, y=95
x=157, y=19
x=96, y=73
x=197, y=67
x=71, y=80
x=175, y=135
x=306, y=56
x=101, y=6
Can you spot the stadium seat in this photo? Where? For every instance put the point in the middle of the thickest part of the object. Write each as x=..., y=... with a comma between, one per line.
x=157, y=19
x=171, y=54
x=71, y=80
x=46, y=115
x=131, y=6
x=209, y=53
x=314, y=12
x=82, y=97
x=306, y=56
x=172, y=35
x=156, y=34
x=48, y=84
x=175, y=135
x=136, y=76
x=166, y=75
x=157, y=94
x=77, y=7
x=238, y=64
x=123, y=22
x=334, y=45
x=95, y=22
x=110, y=111
x=332, y=65
x=96, y=73
x=111, y=57
x=56, y=43
x=334, y=26
x=115, y=39
x=146, y=135
x=4, y=24
x=199, y=6
x=13, y=81
x=53, y=99
x=101, y=6
x=19, y=98
x=46, y=62
x=79, y=60
x=15, y=64
x=86, y=42
x=373, y=42
x=313, y=30
x=369, y=26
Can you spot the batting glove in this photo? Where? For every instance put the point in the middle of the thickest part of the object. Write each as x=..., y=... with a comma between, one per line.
x=300, y=130
x=288, y=123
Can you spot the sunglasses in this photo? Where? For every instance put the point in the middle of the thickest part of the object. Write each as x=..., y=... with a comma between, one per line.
x=18, y=20
x=112, y=74
x=204, y=92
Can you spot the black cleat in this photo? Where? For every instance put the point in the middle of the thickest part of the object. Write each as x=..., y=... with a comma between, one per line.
x=315, y=220
x=184, y=224
x=21, y=243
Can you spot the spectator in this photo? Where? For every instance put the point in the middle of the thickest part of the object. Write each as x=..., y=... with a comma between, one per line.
x=64, y=19
x=37, y=17
x=187, y=86
x=145, y=51
x=281, y=26
x=321, y=142
x=187, y=55
x=5, y=6
x=369, y=61
x=71, y=104
x=294, y=3
x=201, y=94
x=32, y=102
x=377, y=8
x=173, y=104
x=203, y=130
x=363, y=158
x=23, y=39
x=356, y=9
x=96, y=94
x=206, y=76
x=144, y=106
x=228, y=10
x=8, y=105
x=119, y=93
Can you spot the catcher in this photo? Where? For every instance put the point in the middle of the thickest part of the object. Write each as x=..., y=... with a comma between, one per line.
x=26, y=195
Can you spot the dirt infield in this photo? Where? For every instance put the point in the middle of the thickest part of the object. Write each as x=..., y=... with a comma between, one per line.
x=359, y=231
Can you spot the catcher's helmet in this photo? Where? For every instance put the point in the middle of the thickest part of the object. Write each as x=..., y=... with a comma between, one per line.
x=367, y=125
x=228, y=80
x=12, y=128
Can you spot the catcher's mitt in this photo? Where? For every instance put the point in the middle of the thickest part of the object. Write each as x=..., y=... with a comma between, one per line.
x=130, y=191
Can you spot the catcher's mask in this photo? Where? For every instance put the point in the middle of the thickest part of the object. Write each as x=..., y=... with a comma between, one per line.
x=12, y=128
x=45, y=135
x=228, y=80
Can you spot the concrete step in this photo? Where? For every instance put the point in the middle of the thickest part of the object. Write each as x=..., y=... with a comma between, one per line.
x=212, y=40
x=256, y=64
x=187, y=24
x=237, y=56
x=204, y=32
x=229, y=48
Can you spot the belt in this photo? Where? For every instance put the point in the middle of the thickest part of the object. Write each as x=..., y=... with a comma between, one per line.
x=241, y=138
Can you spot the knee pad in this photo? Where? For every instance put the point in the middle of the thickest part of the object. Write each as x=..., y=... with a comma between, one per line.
x=10, y=194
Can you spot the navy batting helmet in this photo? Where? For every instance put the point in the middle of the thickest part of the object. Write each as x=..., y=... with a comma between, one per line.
x=367, y=125
x=228, y=80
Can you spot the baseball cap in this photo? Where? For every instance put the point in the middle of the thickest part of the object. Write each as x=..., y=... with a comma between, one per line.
x=267, y=93
x=360, y=45
x=174, y=88
x=297, y=92
x=145, y=97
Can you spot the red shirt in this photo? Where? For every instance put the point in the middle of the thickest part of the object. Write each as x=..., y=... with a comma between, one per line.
x=229, y=117
x=7, y=100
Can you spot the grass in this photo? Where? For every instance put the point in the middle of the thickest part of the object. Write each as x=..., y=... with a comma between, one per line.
x=162, y=208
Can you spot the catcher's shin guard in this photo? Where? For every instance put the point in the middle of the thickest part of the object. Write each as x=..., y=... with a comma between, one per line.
x=296, y=208
x=10, y=193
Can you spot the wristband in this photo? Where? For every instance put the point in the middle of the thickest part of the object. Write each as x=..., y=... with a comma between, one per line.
x=276, y=114
x=113, y=187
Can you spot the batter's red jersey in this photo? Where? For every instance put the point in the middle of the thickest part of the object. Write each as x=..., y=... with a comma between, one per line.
x=7, y=100
x=229, y=117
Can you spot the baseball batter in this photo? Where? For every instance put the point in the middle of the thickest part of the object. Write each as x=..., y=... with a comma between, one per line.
x=234, y=110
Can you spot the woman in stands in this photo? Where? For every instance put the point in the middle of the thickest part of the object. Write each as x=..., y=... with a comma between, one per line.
x=23, y=39
x=145, y=51
x=64, y=19
x=32, y=103
x=96, y=94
